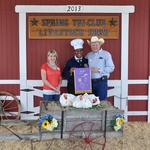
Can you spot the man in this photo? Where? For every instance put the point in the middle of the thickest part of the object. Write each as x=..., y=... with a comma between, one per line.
x=101, y=64
x=77, y=61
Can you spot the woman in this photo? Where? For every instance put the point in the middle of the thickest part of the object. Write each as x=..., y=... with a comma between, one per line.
x=51, y=77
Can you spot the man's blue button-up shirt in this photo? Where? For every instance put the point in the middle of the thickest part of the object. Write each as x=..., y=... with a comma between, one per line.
x=101, y=59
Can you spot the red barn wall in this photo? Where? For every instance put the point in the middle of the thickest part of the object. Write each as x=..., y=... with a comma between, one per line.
x=139, y=56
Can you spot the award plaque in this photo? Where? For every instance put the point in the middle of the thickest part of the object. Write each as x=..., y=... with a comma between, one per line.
x=82, y=80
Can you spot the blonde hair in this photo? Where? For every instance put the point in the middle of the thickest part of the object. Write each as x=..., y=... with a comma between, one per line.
x=52, y=53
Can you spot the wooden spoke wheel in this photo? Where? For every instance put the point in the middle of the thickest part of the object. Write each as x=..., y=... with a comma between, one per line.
x=82, y=137
x=9, y=106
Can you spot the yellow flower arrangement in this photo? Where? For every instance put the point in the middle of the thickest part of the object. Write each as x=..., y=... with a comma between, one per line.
x=118, y=122
x=47, y=122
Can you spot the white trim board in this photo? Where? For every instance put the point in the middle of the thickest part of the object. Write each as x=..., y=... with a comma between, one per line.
x=83, y=9
x=64, y=82
x=138, y=97
x=137, y=113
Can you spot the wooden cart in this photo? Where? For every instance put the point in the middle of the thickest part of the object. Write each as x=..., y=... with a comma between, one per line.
x=87, y=127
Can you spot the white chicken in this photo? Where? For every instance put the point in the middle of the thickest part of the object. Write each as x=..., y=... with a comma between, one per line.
x=66, y=99
x=82, y=101
x=94, y=99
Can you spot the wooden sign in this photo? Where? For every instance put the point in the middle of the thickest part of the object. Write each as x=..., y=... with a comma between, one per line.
x=69, y=27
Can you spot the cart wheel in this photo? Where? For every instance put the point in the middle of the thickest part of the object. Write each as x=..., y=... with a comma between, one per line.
x=9, y=106
x=82, y=137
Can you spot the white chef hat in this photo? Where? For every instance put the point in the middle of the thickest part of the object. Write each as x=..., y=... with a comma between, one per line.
x=77, y=44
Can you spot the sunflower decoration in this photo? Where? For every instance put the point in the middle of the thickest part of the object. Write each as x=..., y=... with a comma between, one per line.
x=47, y=122
x=118, y=122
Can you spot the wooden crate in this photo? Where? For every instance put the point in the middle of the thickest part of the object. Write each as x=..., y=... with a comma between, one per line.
x=74, y=117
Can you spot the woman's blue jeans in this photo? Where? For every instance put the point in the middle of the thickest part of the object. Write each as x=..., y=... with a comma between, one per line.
x=54, y=97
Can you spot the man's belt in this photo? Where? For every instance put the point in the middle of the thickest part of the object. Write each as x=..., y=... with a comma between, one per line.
x=98, y=79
